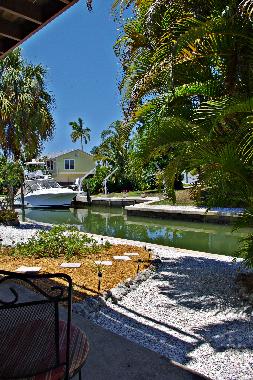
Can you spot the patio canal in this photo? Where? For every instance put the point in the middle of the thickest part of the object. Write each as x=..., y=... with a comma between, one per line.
x=218, y=239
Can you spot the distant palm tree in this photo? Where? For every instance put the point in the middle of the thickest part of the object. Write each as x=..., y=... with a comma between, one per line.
x=79, y=132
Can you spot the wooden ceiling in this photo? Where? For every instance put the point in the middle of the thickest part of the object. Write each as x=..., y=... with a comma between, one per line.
x=19, y=19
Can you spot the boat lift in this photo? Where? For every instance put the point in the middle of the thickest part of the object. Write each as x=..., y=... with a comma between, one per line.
x=106, y=179
x=79, y=181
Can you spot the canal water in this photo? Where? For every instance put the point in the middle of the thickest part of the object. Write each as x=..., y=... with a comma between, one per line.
x=212, y=238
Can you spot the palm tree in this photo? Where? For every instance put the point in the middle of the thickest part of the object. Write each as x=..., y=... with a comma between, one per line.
x=113, y=151
x=114, y=146
x=79, y=132
x=25, y=108
x=187, y=84
x=188, y=62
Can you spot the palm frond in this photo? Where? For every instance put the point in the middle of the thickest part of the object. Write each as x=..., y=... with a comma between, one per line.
x=246, y=8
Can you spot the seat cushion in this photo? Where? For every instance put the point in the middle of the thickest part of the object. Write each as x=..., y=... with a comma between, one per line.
x=19, y=348
x=78, y=352
x=79, y=346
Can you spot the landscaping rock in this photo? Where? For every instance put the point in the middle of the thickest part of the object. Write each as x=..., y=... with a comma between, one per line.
x=129, y=282
x=89, y=307
x=116, y=294
x=156, y=262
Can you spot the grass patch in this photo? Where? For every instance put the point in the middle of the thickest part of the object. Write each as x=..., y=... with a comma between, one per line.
x=85, y=279
x=182, y=199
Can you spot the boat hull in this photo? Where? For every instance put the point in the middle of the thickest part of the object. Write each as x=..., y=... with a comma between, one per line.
x=59, y=198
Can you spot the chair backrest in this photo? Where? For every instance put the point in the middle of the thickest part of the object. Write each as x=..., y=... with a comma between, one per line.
x=30, y=327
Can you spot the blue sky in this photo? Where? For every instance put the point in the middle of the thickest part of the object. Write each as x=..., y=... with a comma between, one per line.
x=77, y=50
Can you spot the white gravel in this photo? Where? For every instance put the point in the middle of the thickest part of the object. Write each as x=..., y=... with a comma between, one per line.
x=188, y=310
x=13, y=235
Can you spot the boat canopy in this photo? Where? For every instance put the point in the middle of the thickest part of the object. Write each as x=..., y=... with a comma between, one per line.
x=33, y=162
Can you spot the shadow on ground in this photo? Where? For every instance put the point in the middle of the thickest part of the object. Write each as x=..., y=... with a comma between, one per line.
x=196, y=284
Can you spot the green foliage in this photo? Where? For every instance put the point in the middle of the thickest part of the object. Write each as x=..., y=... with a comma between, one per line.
x=246, y=250
x=8, y=217
x=11, y=177
x=59, y=241
x=113, y=152
x=25, y=108
x=96, y=182
x=187, y=89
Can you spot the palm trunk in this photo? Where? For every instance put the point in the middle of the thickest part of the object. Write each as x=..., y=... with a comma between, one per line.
x=10, y=200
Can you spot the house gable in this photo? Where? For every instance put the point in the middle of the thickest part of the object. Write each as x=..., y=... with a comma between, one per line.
x=71, y=165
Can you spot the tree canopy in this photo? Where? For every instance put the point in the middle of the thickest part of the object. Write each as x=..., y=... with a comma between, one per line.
x=187, y=85
x=26, y=119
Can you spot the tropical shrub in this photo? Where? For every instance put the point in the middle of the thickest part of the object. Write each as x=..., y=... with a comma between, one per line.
x=58, y=241
x=9, y=217
x=11, y=178
x=246, y=250
x=96, y=182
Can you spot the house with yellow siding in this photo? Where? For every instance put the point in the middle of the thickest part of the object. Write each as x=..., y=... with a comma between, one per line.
x=66, y=167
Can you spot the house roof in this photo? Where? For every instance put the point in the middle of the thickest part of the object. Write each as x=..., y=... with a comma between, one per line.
x=19, y=19
x=50, y=156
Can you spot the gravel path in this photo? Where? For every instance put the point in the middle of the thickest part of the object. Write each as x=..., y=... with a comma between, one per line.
x=188, y=311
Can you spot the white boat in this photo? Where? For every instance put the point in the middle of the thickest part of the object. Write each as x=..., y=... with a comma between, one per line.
x=41, y=190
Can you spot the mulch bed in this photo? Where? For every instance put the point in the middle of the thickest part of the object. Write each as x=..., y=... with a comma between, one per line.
x=85, y=279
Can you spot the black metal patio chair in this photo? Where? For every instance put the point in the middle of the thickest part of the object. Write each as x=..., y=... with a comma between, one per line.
x=35, y=343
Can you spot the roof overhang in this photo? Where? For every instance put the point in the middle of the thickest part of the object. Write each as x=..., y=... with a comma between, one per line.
x=19, y=19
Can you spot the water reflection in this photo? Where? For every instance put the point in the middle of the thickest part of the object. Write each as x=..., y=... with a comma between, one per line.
x=114, y=222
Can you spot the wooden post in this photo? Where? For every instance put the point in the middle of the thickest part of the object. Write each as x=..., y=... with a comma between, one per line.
x=99, y=280
x=138, y=266
x=22, y=201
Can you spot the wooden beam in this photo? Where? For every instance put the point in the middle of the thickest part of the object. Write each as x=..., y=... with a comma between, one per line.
x=65, y=1
x=10, y=30
x=6, y=44
x=24, y=9
x=46, y=14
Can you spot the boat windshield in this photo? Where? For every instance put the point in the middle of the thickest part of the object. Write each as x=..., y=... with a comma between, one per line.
x=36, y=170
x=41, y=184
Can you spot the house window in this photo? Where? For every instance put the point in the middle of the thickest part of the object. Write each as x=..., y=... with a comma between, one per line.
x=50, y=165
x=69, y=164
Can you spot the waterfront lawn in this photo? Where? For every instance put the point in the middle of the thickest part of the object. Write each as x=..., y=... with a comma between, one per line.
x=148, y=193
x=182, y=199
x=85, y=279
x=182, y=196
